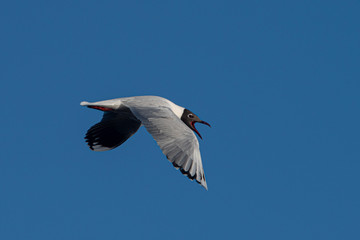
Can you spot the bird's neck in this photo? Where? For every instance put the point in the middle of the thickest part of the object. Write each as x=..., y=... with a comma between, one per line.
x=176, y=109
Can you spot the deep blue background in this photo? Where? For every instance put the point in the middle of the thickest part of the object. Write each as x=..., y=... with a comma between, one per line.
x=278, y=80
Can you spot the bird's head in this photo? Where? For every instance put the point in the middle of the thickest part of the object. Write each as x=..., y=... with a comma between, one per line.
x=189, y=118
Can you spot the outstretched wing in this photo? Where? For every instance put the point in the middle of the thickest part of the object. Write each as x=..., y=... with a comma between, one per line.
x=113, y=130
x=176, y=140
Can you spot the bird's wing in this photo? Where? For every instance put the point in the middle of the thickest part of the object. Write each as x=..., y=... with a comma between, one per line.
x=113, y=130
x=176, y=140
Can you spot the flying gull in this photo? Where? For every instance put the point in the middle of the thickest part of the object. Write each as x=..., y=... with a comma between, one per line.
x=170, y=125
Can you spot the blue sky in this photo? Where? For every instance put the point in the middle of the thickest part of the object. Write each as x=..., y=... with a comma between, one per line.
x=279, y=82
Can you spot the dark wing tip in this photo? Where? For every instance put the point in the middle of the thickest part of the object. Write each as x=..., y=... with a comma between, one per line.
x=113, y=130
x=187, y=173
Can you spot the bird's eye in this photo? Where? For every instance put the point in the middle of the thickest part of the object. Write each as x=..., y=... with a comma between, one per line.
x=190, y=116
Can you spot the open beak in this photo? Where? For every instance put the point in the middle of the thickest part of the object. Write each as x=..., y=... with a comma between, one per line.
x=203, y=122
x=195, y=130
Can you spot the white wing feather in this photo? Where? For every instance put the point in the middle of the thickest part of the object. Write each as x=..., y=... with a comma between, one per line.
x=176, y=140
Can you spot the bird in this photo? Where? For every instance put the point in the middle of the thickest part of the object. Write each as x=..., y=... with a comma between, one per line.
x=171, y=126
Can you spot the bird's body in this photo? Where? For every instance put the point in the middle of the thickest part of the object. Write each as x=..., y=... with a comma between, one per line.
x=169, y=124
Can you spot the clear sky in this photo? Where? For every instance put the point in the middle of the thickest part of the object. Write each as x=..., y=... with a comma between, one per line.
x=279, y=81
